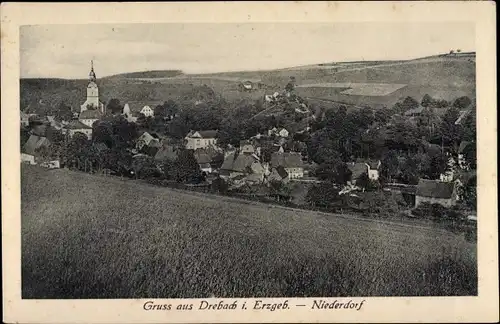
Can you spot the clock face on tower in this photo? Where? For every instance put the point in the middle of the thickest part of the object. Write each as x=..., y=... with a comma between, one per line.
x=92, y=85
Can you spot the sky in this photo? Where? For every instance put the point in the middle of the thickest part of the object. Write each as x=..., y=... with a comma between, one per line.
x=65, y=51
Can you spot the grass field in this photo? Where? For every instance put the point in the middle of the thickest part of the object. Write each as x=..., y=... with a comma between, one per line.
x=86, y=236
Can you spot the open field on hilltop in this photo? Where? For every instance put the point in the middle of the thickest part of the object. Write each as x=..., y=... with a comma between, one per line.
x=363, y=89
x=459, y=73
x=86, y=236
x=441, y=77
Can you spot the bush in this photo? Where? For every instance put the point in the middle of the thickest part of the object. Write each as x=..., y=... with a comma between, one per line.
x=363, y=181
x=462, y=102
x=438, y=212
x=219, y=186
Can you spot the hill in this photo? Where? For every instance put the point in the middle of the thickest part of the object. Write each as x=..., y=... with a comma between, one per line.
x=442, y=76
x=148, y=74
x=85, y=236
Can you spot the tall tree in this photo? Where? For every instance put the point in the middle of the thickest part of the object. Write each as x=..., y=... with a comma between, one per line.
x=187, y=168
x=336, y=172
x=114, y=106
x=462, y=102
x=449, y=131
x=323, y=195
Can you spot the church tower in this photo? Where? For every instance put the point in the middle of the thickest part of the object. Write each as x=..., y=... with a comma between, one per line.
x=92, y=101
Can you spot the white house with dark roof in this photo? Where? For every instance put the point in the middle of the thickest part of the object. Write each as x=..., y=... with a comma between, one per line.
x=24, y=119
x=76, y=126
x=204, y=160
x=146, y=139
x=246, y=147
x=90, y=116
x=242, y=165
x=436, y=192
x=281, y=132
x=147, y=111
x=201, y=139
x=291, y=162
x=31, y=152
x=371, y=168
x=278, y=174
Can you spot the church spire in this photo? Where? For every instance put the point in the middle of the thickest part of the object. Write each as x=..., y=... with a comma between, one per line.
x=92, y=76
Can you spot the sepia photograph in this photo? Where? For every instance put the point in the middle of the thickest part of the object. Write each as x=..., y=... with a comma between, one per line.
x=218, y=161
x=161, y=163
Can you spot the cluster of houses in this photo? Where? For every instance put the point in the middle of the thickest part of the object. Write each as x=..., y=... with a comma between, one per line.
x=237, y=165
x=242, y=165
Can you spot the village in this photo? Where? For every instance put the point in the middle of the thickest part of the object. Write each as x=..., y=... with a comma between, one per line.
x=277, y=153
x=260, y=160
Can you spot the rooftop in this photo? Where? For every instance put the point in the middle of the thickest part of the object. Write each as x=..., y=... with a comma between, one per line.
x=238, y=162
x=203, y=134
x=435, y=189
x=287, y=160
x=76, y=124
x=90, y=114
x=166, y=152
x=33, y=143
x=357, y=169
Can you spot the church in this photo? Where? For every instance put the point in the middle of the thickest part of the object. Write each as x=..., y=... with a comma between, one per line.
x=92, y=109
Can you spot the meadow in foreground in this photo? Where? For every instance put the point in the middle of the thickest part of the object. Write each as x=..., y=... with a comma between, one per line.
x=84, y=236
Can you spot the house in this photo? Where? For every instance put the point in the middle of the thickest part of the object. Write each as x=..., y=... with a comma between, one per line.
x=146, y=139
x=127, y=113
x=90, y=116
x=291, y=162
x=272, y=131
x=275, y=148
x=436, y=192
x=461, y=116
x=246, y=85
x=254, y=178
x=371, y=168
x=414, y=112
x=357, y=169
x=101, y=147
x=147, y=111
x=242, y=164
x=451, y=170
x=166, y=153
x=271, y=97
x=246, y=147
x=27, y=158
x=30, y=150
x=282, y=132
x=258, y=136
x=201, y=139
x=54, y=123
x=278, y=174
x=464, y=145
x=204, y=160
x=76, y=126
x=25, y=119
x=130, y=115
x=126, y=110
x=55, y=164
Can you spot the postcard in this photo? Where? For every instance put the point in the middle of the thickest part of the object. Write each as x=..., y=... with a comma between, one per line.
x=253, y=162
